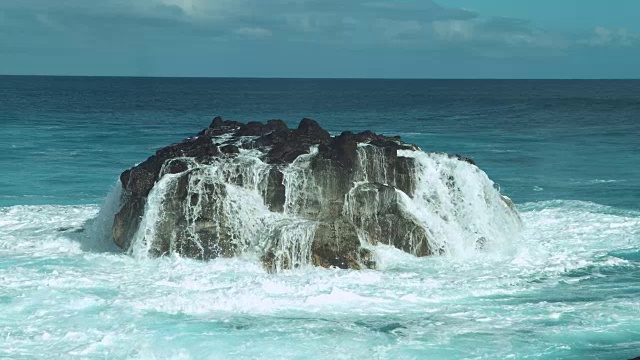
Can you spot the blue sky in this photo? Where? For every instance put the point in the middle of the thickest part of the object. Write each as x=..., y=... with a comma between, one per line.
x=322, y=38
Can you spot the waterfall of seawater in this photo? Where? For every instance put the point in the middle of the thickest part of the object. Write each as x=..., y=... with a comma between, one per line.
x=99, y=236
x=372, y=165
x=458, y=206
x=454, y=202
x=229, y=197
x=153, y=214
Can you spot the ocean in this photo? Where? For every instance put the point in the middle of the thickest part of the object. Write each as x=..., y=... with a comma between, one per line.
x=566, y=152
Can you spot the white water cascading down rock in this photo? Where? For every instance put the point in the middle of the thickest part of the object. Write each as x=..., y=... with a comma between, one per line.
x=299, y=197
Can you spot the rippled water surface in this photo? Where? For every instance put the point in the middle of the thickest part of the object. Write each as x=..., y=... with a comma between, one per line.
x=567, y=152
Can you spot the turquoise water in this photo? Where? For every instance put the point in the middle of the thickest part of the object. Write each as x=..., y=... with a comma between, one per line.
x=567, y=152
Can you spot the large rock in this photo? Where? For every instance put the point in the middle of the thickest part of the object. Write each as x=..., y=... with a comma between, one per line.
x=290, y=196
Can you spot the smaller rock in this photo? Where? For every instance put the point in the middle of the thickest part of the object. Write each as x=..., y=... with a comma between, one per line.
x=126, y=221
x=253, y=128
x=175, y=166
x=277, y=124
x=275, y=191
x=343, y=148
x=217, y=122
x=310, y=132
x=465, y=159
x=229, y=149
x=405, y=179
x=337, y=245
x=138, y=181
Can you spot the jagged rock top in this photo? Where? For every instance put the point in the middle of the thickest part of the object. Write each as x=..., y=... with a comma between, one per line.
x=278, y=143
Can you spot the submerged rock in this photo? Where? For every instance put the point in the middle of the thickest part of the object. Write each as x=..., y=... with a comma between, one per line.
x=294, y=197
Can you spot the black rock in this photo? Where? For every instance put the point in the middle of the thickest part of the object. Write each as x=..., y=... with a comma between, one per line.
x=332, y=190
x=253, y=128
x=343, y=149
x=217, y=122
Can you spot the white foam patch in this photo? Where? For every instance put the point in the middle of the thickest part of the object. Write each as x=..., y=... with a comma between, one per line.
x=42, y=230
x=603, y=181
x=60, y=300
x=458, y=206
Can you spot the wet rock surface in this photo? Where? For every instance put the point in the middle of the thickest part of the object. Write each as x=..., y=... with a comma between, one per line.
x=291, y=196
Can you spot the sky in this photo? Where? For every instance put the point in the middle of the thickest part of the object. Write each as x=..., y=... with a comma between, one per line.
x=322, y=38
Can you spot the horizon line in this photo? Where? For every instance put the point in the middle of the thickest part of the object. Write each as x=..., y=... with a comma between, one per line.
x=309, y=78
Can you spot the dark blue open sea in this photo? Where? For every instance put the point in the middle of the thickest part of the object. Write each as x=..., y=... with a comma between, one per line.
x=568, y=287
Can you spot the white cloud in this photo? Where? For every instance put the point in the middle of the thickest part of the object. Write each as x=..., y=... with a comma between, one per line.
x=47, y=21
x=419, y=24
x=203, y=9
x=253, y=32
x=399, y=31
x=505, y=33
x=453, y=30
x=603, y=36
